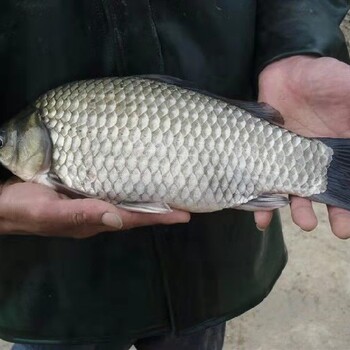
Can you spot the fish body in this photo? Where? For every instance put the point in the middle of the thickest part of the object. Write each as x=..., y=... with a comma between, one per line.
x=137, y=140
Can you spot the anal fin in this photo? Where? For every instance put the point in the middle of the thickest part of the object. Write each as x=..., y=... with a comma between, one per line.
x=265, y=202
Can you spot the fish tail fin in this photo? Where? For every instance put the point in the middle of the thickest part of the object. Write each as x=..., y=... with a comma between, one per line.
x=338, y=175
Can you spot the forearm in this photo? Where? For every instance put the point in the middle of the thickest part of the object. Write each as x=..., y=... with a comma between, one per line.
x=303, y=27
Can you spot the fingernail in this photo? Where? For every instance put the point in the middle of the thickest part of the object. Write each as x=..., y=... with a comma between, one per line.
x=112, y=220
x=260, y=228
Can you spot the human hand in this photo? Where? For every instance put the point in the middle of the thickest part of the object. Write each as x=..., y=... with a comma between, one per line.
x=312, y=94
x=28, y=208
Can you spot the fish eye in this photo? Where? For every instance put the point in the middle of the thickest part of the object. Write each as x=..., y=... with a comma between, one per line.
x=2, y=139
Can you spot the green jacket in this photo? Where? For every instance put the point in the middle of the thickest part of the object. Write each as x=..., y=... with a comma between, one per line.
x=157, y=279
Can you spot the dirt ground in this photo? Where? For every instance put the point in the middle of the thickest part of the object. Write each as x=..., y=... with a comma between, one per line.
x=309, y=308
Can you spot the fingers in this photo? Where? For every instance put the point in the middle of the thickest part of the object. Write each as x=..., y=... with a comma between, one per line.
x=340, y=222
x=303, y=214
x=131, y=220
x=85, y=217
x=87, y=212
x=37, y=209
x=262, y=219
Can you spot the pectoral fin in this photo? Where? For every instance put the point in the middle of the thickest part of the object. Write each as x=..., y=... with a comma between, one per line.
x=265, y=202
x=53, y=181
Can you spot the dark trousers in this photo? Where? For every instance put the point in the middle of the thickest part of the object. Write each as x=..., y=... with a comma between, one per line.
x=208, y=339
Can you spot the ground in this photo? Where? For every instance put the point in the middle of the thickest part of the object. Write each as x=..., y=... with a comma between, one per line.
x=309, y=308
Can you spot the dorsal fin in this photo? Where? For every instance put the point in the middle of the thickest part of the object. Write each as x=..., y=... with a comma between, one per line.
x=257, y=109
x=261, y=110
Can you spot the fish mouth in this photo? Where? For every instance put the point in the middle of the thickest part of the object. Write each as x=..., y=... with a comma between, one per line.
x=13, y=160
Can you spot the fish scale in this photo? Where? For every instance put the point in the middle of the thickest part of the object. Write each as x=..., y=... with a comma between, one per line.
x=173, y=145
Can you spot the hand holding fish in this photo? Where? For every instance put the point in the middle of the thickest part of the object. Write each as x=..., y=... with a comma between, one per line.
x=312, y=94
x=151, y=143
x=29, y=208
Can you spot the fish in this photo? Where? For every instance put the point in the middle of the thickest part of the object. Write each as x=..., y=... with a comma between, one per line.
x=154, y=143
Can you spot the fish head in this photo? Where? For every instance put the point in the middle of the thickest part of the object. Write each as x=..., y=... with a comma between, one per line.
x=25, y=145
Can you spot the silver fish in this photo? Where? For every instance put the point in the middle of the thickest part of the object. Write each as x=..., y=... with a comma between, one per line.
x=148, y=145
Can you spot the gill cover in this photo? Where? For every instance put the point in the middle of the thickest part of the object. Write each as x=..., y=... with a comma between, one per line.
x=26, y=150
x=26, y=147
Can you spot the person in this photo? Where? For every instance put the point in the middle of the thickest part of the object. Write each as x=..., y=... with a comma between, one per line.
x=157, y=286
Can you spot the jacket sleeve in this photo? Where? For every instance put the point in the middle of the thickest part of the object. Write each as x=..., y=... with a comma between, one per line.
x=293, y=27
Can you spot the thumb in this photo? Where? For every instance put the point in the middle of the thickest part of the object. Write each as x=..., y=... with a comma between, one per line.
x=89, y=212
